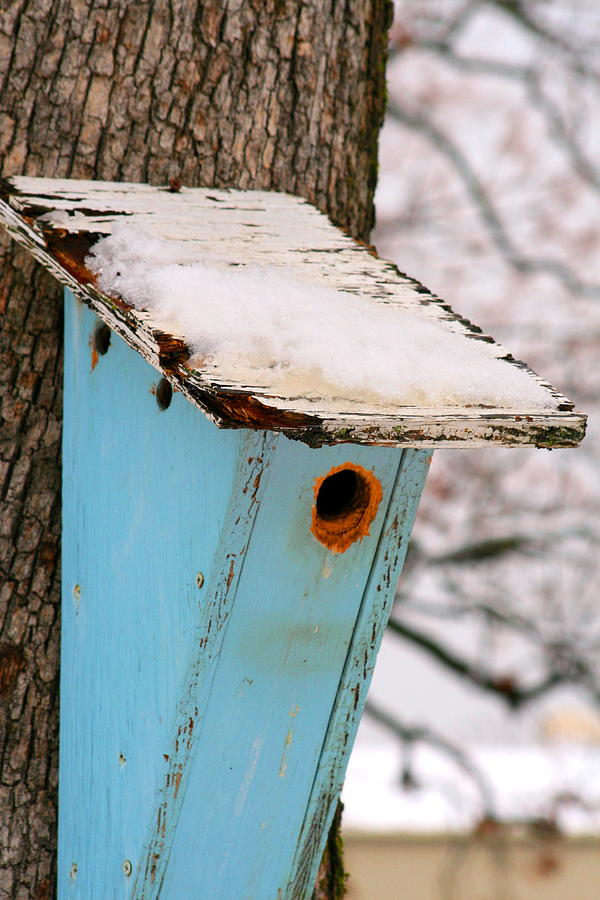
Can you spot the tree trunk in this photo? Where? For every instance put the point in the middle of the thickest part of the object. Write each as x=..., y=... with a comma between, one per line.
x=272, y=94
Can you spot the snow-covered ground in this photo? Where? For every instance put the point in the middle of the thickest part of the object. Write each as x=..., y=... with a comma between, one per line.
x=557, y=784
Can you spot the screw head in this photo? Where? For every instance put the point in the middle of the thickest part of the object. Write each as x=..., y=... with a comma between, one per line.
x=199, y=579
x=73, y=871
x=127, y=868
x=77, y=591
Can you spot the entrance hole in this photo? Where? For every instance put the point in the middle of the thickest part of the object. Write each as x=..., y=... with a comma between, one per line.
x=346, y=502
x=102, y=338
x=164, y=394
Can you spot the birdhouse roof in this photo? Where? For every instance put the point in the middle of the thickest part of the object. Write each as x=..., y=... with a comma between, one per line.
x=265, y=315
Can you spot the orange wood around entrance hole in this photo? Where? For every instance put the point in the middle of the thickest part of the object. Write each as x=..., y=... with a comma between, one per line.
x=338, y=531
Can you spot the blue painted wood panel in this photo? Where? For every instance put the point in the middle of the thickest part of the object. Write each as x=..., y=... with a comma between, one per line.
x=358, y=669
x=141, y=518
x=205, y=731
x=283, y=655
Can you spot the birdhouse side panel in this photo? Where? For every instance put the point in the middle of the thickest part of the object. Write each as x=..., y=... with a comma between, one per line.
x=146, y=492
x=360, y=662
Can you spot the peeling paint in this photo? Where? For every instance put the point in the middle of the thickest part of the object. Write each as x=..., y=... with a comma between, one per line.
x=176, y=782
x=221, y=589
x=231, y=573
x=283, y=765
x=249, y=775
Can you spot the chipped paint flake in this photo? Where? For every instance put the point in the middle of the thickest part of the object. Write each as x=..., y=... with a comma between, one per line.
x=248, y=776
x=283, y=765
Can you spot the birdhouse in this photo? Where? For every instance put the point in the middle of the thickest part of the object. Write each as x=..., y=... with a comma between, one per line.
x=251, y=399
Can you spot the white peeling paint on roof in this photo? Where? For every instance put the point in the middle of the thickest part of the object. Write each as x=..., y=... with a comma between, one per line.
x=355, y=351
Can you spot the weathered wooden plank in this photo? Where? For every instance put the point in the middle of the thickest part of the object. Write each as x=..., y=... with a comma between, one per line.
x=358, y=669
x=143, y=514
x=58, y=221
x=257, y=752
x=197, y=722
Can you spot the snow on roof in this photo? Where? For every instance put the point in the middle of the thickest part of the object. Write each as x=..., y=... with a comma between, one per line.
x=265, y=315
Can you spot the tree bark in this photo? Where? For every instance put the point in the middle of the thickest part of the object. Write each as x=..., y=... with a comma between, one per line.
x=270, y=94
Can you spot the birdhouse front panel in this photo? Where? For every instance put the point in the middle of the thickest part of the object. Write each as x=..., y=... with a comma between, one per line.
x=224, y=599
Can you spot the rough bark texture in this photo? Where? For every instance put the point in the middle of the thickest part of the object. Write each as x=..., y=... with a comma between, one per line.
x=272, y=94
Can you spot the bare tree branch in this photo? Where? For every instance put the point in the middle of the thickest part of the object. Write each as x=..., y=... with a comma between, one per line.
x=503, y=686
x=494, y=547
x=531, y=81
x=481, y=551
x=467, y=607
x=400, y=38
x=411, y=734
x=460, y=20
x=520, y=12
x=486, y=209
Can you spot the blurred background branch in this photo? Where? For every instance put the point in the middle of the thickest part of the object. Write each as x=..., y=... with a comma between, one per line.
x=489, y=195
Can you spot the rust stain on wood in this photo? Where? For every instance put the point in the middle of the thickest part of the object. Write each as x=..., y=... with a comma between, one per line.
x=235, y=409
x=94, y=350
x=173, y=352
x=71, y=250
x=177, y=781
x=231, y=573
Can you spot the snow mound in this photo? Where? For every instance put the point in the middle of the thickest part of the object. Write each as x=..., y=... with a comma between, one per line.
x=268, y=325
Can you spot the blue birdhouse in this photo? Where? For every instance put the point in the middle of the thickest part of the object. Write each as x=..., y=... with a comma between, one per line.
x=251, y=403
